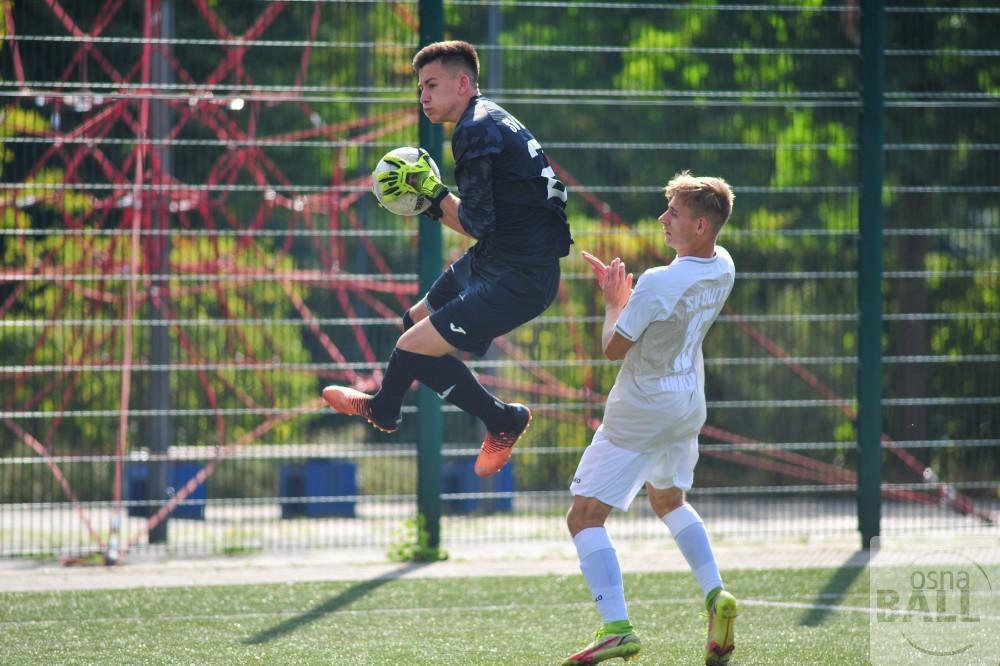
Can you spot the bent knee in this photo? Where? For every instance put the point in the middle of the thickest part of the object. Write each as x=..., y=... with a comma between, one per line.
x=423, y=338
x=585, y=514
x=576, y=521
x=665, y=500
x=419, y=311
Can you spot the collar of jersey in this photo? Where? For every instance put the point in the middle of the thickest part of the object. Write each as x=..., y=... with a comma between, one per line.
x=700, y=260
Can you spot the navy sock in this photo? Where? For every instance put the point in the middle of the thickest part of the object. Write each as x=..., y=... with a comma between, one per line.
x=395, y=383
x=452, y=379
x=446, y=376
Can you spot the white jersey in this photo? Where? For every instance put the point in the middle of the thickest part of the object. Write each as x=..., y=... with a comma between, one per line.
x=659, y=395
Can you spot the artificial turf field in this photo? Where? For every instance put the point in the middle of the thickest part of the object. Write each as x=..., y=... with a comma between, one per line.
x=793, y=616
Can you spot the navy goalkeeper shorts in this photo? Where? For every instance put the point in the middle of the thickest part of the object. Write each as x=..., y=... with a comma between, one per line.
x=471, y=306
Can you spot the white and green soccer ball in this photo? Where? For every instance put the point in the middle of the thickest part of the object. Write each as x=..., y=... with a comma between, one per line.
x=406, y=204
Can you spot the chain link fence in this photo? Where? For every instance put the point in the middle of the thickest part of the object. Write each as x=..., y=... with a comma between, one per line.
x=190, y=253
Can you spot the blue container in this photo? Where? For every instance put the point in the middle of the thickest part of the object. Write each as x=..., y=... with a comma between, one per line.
x=459, y=476
x=137, y=488
x=317, y=477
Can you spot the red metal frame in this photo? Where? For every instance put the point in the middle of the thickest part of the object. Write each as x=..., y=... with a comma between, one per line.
x=137, y=178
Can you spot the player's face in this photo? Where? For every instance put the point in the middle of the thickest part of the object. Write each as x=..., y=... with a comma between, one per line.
x=443, y=93
x=681, y=228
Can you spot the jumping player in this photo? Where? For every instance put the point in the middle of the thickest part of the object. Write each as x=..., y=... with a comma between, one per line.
x=654, y=413
x=514, y=207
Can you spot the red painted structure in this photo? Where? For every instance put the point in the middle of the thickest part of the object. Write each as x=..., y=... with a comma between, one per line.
x=138, y=194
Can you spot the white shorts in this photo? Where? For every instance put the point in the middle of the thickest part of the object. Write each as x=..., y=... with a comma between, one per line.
x=615, y=475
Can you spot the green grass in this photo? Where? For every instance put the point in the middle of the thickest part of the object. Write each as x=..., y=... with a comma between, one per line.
x=788, y=617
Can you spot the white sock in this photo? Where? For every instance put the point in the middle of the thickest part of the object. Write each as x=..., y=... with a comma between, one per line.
x=603, y=573
x=689, y=532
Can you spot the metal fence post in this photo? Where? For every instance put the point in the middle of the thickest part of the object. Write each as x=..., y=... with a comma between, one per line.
x=161, y=423
x=870, y=270
x=429, y=417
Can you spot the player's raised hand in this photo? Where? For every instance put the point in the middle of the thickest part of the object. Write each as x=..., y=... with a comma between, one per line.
x=617, y=284
x=598, y=266
x=411, y=178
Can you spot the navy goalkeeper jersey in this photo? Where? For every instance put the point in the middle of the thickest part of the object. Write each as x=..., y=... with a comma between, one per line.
x=512, y=202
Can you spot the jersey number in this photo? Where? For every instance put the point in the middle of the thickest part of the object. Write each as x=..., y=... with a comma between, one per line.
x=554, y=186
x=695, y=332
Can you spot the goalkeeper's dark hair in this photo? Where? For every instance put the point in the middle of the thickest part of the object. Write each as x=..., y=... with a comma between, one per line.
x=705, y=196
x=452, y=54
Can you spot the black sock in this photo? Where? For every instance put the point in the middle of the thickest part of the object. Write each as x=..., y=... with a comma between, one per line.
x=451, y=377
x=448, y=377
x=395, y=383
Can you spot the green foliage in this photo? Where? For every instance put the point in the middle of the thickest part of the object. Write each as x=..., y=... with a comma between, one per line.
x=16, y=121
x=413, y=543
x=680, y=97
x=196, y=345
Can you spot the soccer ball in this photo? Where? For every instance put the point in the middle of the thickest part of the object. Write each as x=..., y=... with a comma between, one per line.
x=405, y=204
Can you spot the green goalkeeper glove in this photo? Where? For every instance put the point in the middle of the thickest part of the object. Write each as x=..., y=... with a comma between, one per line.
x=413, y=178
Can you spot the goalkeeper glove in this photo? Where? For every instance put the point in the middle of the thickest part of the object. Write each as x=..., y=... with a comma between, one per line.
x=413, y=178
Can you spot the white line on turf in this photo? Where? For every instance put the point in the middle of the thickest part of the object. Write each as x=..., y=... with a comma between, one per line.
x=354, y=611
x=443, y=609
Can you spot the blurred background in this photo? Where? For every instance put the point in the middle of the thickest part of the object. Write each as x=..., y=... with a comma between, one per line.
x=191, y=252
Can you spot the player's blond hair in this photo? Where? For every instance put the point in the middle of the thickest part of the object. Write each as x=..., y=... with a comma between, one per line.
x=453, y=53
x=706, y=196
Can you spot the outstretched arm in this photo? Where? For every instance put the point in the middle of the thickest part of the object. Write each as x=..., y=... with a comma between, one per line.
x=617, y=287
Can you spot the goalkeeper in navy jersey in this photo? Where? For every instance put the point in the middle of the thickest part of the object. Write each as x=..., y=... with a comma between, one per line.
x=512, y=204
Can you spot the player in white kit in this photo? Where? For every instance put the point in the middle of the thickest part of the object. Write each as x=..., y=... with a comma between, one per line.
x=654, y=413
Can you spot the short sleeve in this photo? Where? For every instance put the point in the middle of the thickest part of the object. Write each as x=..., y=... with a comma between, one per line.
x=646, y=305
